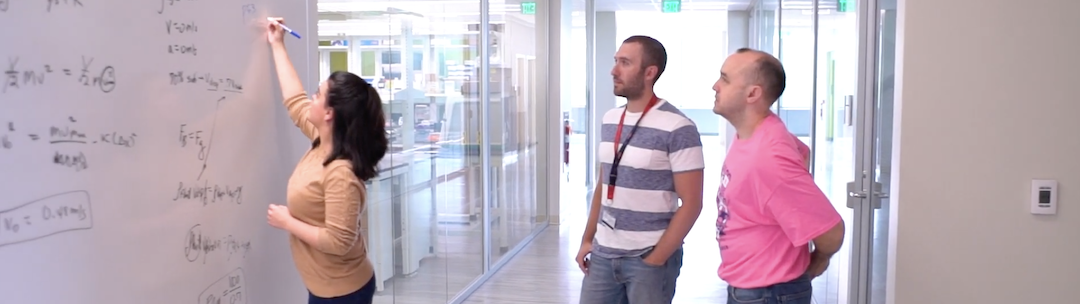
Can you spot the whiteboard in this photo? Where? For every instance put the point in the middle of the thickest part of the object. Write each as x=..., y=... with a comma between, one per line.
x=140, y=144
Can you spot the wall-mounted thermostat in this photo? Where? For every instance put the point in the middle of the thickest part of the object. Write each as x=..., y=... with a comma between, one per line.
x=1044, y=196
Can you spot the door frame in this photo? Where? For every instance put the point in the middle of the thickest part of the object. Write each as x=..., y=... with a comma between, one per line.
x=864, y=193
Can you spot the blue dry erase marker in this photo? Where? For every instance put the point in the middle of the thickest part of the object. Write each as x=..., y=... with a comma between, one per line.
x=286, y=28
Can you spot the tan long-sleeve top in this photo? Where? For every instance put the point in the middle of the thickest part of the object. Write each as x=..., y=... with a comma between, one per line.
x=332, y=198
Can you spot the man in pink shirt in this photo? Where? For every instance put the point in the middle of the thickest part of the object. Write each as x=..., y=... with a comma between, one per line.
x=770, y=209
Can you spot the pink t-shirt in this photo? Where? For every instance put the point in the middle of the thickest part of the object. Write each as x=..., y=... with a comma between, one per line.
x=770, y=209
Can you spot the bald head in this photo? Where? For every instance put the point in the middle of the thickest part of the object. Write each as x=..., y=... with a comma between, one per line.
x=766, y=71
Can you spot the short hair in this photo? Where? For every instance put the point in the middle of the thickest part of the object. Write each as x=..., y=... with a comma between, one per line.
x=769, y=73
x=654, y=53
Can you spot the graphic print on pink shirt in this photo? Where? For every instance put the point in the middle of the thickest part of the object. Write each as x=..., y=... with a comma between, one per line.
x=721, y=206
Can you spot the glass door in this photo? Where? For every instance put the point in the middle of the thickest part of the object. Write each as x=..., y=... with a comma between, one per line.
x=879, y=143
x=839, y=57
x=868, y=190
x=817, y=43
x=835, y=65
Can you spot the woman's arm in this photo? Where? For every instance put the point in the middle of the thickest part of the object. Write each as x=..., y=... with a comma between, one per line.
x=344, y=195
x=296, y=100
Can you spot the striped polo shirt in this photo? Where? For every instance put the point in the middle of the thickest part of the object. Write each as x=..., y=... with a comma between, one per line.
x=666, y=142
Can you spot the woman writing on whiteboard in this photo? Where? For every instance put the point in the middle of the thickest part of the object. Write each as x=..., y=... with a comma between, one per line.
x=326, y=193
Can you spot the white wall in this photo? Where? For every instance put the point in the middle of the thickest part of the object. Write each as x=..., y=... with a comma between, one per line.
x=987, y=100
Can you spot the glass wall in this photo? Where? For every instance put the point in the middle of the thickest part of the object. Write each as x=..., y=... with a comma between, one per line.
x=512, y=117
x=827, y=106
x=431, y=229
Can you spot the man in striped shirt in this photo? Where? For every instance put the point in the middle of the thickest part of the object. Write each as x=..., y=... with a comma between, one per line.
x=651, y=158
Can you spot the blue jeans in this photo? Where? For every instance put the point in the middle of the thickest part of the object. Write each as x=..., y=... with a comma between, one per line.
x=630, y=281
x=364, y=295
x=797, y=291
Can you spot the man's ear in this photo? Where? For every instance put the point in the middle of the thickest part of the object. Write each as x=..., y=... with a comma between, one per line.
x=754, y=94
x=650, y=73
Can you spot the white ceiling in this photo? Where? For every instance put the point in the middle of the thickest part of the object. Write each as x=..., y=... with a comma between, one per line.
x=654, y=5
x=701, y=5
x=453, y=10
x=438, y=17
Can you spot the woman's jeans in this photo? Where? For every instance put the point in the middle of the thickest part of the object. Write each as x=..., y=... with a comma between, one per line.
x=364, y=295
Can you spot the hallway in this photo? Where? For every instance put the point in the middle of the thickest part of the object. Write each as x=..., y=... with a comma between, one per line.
x=545, y=271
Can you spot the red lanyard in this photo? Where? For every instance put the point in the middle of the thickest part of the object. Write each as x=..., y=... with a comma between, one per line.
x=613, y=174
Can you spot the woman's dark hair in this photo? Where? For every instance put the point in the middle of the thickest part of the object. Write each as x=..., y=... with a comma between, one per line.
x=359, y=124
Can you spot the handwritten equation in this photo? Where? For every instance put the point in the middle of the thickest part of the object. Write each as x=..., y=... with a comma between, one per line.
x=198, y=245
x=197, y=140
x=16, y=77
x=66, y=134
x=180, y=27
x=228, y=289
x=183, y=49
x=208, y=193
x=212, y=83
x=54, y=214
x=66, y=3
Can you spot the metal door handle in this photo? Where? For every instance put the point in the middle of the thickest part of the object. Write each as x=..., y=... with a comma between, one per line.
x=849, y=110
x=855, y=195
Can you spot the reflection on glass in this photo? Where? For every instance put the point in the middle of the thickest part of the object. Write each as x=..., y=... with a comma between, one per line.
x=424, y=211
x=836, y=75
x=512, y=106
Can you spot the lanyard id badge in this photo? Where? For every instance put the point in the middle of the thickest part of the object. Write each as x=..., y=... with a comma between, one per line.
x=607, y=219
x=613, y=175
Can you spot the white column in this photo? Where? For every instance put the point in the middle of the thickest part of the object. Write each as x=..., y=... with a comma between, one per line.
x=603, y=99
x=603, y=96
x=553, y=91
x=606, y=46
x=738, y=37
